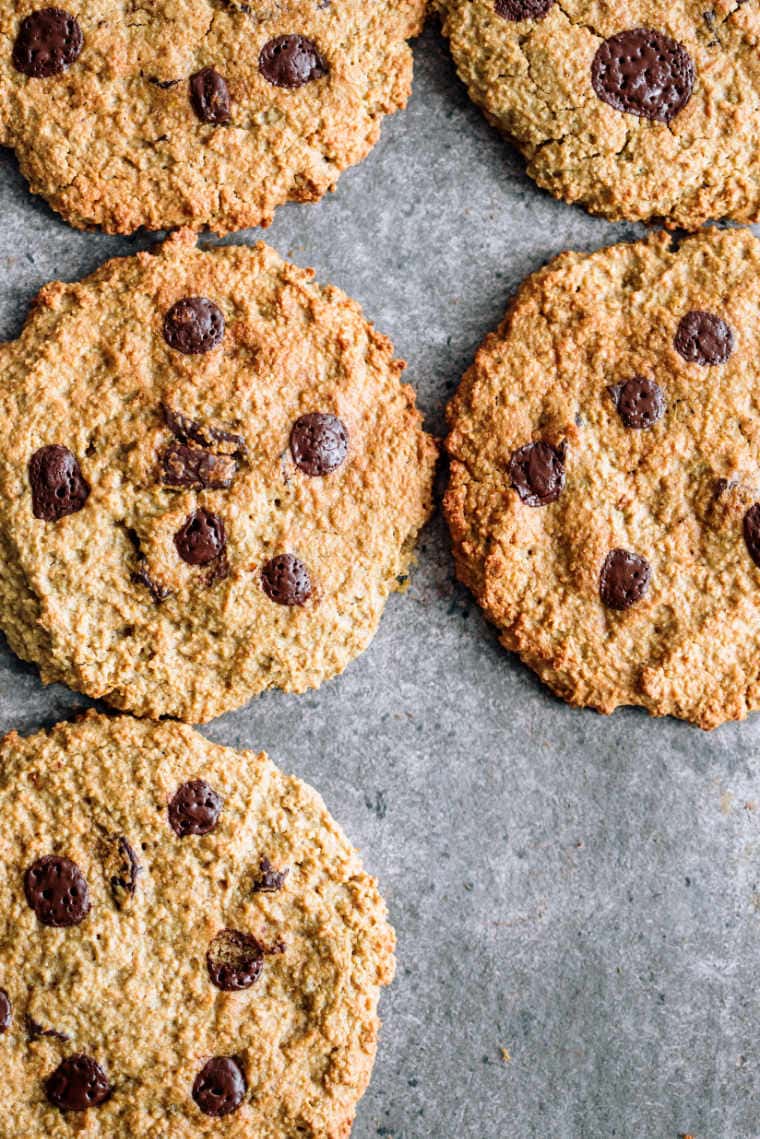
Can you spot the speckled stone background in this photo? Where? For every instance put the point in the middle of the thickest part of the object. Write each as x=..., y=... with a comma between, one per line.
x=577, y=898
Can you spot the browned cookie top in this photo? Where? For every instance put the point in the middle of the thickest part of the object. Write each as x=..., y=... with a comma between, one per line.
x=183, y=992
x=635, y=110
x=210, y=480
x=605, y=478
x=197, y=112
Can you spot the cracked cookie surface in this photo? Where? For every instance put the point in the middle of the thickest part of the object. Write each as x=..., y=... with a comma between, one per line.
x=208, y=114
x=211, y=479
x=123, y=1019
x=634, y=110
x=605, y=476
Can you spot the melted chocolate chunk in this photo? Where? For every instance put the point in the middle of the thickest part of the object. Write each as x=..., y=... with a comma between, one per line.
x=77, y=1083
x=624, y=579
x=285, y=579
x=234, y=960
x=703, y=338
x=639, y=401
x=5, y=1011
x=220, y=1086
x=48, y=42
x=643, y=72
x=184, y=466
x=35, y=1030
x=523, y=9
x=214, y=439
x=158, y=592
x=291, y=61
x=58, y=487
x=56, y=890
x=537, y=471
x=195, y=808
x=193, y=326
x=270, y=880
x=318, y=443
x=121, y=868
x=201, y=539
x=752, y=532
x=210, y=96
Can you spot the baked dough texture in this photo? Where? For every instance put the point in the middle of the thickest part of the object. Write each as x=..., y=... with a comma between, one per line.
x=210, y=480
x=123, y=980
x=204, y=113
x=605, y=475
x=637, y=110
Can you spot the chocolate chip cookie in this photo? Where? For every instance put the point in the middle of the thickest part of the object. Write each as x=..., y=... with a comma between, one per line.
x=188, y=935
x=605, y=479
x=634, y=110
x=208, y=113
x=210, y=480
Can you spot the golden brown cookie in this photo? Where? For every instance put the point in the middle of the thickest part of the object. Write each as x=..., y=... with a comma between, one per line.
x=210, y=480
x=605, y=484
x=208, y=113
x=635, y=110
x=188, y=935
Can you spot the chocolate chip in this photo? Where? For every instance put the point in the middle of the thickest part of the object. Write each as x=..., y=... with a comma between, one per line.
x=210, y=96
x=201, y=539
x=318, y=443
x=189, y=430
x=270, y=880
x=5, y=1011
x=77, y=1083
x=639, y=401
x=194, y=325
x=752, y=532
x=121, y=868
x=624, y=579
x=158, y=592
x=58, y=487
x=48, y=42
x=523, y=9
x=285, y=579
x=56, y=890
x=234, y=960
x=220, y=1086
x=643, y=72
x=195, y=808
x=291, y=61
x=537, y=471
x=703, y=338
x=184, y=466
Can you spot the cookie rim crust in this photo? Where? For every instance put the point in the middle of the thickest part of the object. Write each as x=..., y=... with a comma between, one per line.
x=37, y=622
x=560, y=140
x=56, y=761
x=669, y=687
x=171, y=168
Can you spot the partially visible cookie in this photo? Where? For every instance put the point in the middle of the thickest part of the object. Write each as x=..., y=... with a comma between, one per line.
x=635, y=110
x=187, y=935
x=605, y=478
x=210, y=480
x=208, y=113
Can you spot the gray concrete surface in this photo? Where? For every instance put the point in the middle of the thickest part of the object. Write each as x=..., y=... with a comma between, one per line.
x=584, y=892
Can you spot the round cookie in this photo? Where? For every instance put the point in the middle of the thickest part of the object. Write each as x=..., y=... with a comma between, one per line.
x=230, y=969
x=635, y=110
x=210, y=480
x=197, y=112
x=605, y=476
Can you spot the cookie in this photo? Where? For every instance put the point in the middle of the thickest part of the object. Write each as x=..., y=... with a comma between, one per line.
x=206, y=113
x=636, y=111
x=188, y=936
x=210, y=480
x=604, y=500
